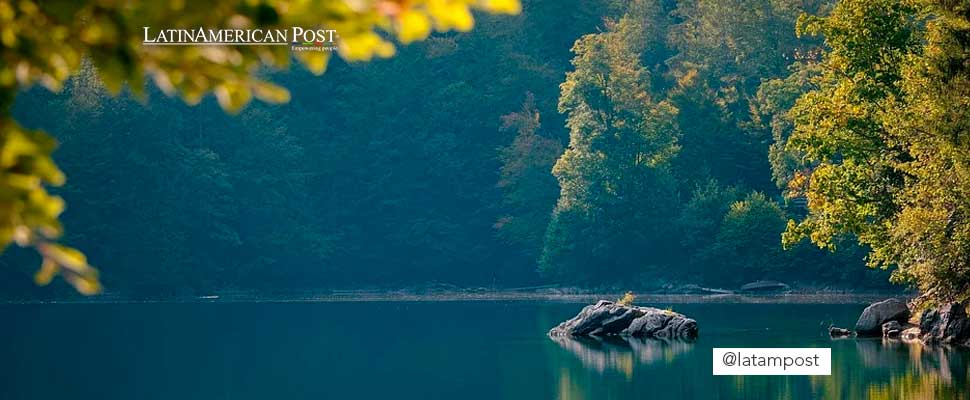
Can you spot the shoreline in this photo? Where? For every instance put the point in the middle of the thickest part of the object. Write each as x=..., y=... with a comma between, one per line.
x=369, y=296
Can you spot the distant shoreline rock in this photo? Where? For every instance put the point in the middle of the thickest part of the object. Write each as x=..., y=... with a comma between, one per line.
x=764, y=286
x=607, y=318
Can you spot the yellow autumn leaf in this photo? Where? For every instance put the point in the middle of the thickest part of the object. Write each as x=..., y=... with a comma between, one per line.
x=364, y=46
x=450, y=15
x=270, y=93
x=315, y=61
x=21, y=181
x=16, y=145
x=46, y=273
x=51, y=205
x=45, y=168
x=65, y=257
x=232, y=96
x=503, y=6
x=85, y=284
x=412, y=26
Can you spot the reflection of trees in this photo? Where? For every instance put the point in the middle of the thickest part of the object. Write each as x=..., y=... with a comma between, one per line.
x=617, y=368
x=898, y=370
x=619, y=353
x=862, y=369
x=875, y=354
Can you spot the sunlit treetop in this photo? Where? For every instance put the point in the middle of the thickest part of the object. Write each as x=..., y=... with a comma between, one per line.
x=44, y=42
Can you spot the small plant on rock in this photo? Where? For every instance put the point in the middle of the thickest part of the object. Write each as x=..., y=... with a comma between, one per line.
x=626, y=300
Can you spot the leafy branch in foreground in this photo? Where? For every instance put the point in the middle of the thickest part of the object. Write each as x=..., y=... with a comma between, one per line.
x=44, y=43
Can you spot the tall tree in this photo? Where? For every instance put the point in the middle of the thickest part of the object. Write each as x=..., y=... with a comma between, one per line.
x=526, y=178
x=616, y=188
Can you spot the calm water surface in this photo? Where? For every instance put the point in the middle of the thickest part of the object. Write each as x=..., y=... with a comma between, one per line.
x=434, y=350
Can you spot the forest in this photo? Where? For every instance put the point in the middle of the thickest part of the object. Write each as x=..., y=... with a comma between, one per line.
x=630, y=144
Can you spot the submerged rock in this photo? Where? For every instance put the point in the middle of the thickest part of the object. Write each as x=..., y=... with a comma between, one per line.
x=764, y=286
x=873, y=317
x=837, y=332
x=607, y=318
x=947, y=325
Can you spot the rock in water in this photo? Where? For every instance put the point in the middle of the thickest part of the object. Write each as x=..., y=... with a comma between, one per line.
x=948, y=325
x=873, y=317
x=662, y=324
x=891, y=329
x=607, y=318
x=837, y=332
x=600, y=319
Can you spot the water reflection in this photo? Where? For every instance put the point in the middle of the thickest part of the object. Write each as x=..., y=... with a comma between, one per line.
x=621, y=354
x=862, y=369
x=912, y=370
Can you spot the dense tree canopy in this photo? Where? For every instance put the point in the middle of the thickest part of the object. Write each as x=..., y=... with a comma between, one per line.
x=672, y=112
x=675, y=147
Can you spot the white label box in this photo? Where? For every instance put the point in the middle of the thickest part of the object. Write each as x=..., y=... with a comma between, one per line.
x=773, y=361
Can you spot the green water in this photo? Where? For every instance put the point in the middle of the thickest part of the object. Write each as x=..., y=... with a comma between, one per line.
x=434, y=350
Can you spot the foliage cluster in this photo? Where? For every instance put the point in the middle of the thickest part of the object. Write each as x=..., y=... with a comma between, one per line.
x=883, y=137
x=677, y=116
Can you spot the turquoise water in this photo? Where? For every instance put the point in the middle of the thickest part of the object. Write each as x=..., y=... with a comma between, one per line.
x=434, y=350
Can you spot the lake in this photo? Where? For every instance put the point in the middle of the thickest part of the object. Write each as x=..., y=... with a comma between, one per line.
x=435, y=350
